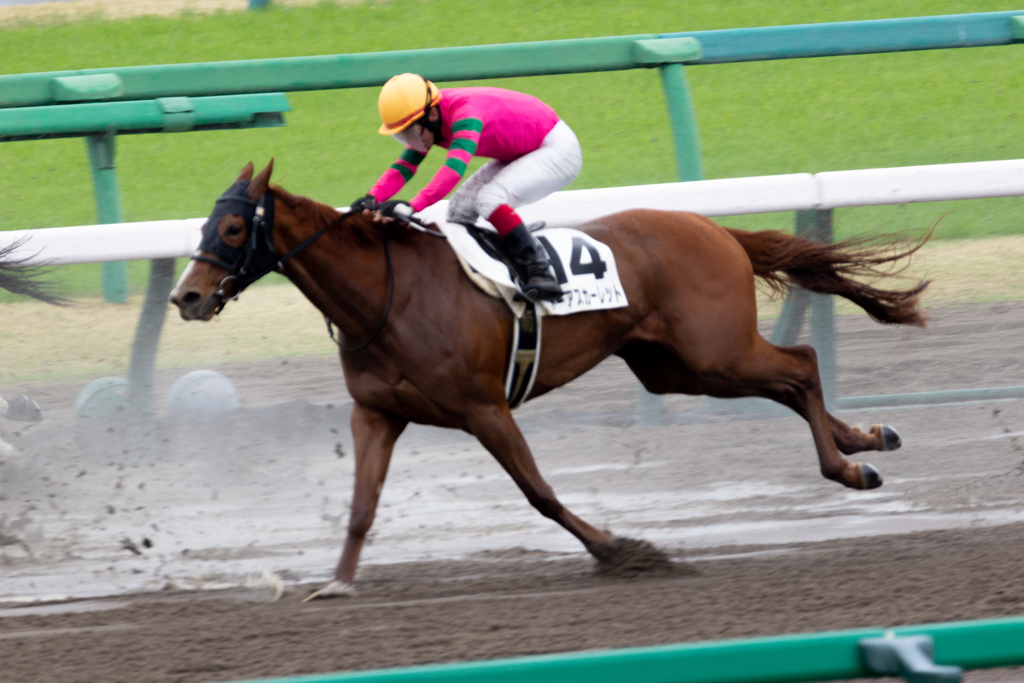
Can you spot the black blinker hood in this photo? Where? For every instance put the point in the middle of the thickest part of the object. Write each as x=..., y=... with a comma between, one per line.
x=256, y=257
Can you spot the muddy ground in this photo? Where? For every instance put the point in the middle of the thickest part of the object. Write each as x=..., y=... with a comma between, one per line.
x=137, y=554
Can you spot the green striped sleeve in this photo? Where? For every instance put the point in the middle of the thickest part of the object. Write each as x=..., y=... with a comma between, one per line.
x=406, y=173
x=464, y=144
x=468, y=124
x=457, y=165
x=413, y=157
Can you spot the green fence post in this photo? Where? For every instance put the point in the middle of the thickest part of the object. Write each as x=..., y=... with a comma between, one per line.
x=787, y=326
x=816, y=225
x=823, y=333
x=689, y=167
x=258, y=4
x=108, y=209
x=684, y=122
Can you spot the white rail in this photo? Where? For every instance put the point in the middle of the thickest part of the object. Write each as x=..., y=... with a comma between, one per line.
x=729, y=197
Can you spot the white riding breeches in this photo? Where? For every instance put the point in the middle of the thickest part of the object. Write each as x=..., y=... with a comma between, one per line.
x=531, y=177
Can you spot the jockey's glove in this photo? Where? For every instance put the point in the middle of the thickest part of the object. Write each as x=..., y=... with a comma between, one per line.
x=396, y=208
x=367, y=203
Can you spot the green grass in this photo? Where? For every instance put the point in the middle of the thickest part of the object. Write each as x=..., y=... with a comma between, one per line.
x=757, y=118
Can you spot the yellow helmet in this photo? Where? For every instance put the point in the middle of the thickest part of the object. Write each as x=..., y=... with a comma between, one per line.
x=403, y=99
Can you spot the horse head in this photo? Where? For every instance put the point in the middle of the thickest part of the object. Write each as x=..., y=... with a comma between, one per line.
x=237, y=247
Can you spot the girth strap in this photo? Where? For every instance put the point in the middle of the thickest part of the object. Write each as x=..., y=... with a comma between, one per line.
x=525, y=357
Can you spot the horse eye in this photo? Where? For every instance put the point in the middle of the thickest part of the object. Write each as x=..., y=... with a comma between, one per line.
x=234, y=230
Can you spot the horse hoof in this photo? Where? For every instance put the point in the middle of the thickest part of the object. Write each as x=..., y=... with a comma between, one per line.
x=890, y=438
x=334, y=589
x=872, y=477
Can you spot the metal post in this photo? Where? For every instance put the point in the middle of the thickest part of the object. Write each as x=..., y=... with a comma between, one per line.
x=823, y=339
x=115, y=278
x=823, y=334
x=108, y=209
x=147, y=337
x=816, y=225
x=684, y=122
x=787, y=326
x=791, y=320
x=690, y=167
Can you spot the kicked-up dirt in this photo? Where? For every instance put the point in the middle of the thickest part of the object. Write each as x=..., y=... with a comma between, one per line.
x=152, y=555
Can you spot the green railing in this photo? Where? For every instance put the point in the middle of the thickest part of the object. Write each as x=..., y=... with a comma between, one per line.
x=162, y=115
x=668, y=51
x=530, y=59
x=857, y=37
x=826, y=656
x=347, y=71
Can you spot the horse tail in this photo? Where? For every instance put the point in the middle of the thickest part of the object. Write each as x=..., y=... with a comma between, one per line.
x=19, y=280
x=847, y=268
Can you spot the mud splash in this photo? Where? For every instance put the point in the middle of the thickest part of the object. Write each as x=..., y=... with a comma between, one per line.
x=626, y=557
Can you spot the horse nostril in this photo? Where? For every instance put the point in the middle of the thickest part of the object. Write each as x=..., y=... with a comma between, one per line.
x=187, y=299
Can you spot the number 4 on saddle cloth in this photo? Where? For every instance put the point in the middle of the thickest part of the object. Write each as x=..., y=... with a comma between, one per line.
x=584, y=267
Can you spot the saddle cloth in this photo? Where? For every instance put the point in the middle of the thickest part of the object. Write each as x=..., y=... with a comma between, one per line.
x=584, y=267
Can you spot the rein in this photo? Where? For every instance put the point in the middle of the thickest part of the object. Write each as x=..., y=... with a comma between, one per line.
x=391, y=287
x=387, y=309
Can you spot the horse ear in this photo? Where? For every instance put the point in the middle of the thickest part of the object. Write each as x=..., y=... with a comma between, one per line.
x=246, y=173
x=259, y=184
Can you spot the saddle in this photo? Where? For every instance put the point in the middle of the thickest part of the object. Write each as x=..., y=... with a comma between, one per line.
x=583, y=266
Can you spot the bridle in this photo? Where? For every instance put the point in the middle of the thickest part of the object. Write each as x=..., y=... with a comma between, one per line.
x=254, y=259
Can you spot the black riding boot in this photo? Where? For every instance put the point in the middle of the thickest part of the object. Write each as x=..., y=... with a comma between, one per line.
x=529, y=261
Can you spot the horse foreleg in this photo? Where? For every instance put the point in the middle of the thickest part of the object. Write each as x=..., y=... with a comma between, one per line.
x=374, y=433
x=497, y=431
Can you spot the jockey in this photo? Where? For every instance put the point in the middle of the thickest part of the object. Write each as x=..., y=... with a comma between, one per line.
x=532, y=153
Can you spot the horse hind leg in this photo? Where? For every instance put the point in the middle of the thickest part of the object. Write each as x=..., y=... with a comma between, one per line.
x=787, y=375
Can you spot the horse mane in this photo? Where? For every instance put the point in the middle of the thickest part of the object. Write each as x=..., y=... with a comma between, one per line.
x=321, y=215
x=306, y=209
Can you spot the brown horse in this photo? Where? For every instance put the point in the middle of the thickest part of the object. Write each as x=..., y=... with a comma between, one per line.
x=439, y=356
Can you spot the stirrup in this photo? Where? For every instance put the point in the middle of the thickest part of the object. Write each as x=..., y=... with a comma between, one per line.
x=542, y=288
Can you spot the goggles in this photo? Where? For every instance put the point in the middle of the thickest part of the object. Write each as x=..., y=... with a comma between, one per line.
x=412, y=137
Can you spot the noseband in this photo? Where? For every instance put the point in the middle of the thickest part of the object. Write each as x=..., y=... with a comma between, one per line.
x=254, y=259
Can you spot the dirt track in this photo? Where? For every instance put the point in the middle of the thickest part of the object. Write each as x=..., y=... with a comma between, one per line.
x=769, y=546
x=510, y=605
